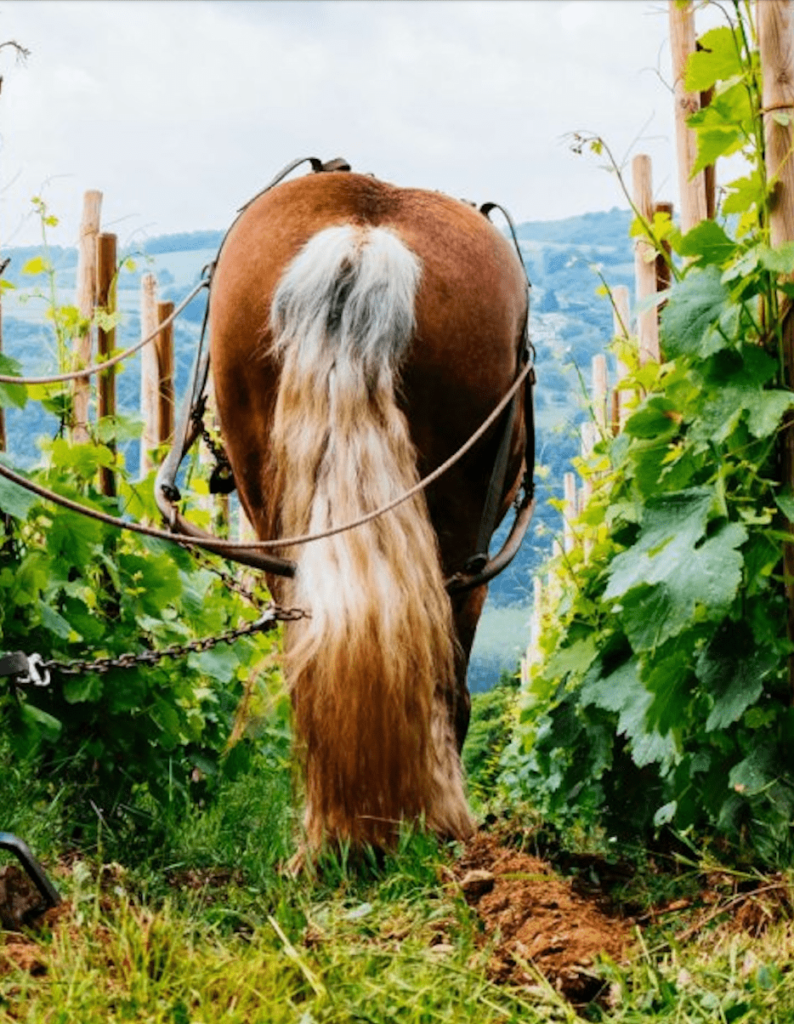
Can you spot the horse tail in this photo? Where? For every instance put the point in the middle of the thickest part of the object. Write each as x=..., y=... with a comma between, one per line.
x=372, y=670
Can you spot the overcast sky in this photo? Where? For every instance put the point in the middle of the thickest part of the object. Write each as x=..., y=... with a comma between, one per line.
x=180, y=110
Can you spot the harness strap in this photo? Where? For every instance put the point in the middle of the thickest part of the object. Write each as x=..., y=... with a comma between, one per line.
x=489, y=520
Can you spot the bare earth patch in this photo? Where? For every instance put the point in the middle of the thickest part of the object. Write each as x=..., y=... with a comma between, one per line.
x=537, y=920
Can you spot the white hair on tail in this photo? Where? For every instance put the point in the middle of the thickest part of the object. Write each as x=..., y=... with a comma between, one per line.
x=363, y=278
x=371, y=670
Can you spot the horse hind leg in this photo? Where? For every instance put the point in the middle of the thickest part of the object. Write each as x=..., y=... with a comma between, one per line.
x=370, y=669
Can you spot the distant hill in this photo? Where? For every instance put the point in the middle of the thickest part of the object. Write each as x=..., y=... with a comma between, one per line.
x=569, y=324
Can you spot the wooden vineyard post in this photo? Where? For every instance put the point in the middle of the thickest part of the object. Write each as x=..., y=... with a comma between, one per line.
x=621, y=330
x=106, y=341
x=150, y=377
x=86, y=300
x=3, y=441
x=599, y=392
x=662, y=266
x=775, y=20
x=694, y=206
x=645, y=261
x=165, y=360
x=569, y=537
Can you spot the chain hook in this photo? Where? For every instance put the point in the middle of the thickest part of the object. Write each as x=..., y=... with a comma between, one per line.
x=37, y=674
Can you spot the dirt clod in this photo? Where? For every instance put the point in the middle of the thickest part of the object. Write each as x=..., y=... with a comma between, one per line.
x=538, y=922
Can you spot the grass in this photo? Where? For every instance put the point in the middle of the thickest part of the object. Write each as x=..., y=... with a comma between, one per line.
x=183, y=915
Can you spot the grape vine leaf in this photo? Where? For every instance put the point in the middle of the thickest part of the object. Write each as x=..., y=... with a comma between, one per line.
x=732, y=669
x=717, y=59
x=672, y=569
x=687, y=323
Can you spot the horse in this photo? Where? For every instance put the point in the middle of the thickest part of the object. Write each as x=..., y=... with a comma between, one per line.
x=359, y=333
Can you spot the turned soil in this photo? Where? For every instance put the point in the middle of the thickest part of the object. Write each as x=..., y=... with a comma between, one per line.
x=537, y=923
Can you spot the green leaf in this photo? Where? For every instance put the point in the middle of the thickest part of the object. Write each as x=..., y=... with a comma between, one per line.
x=54, y=622
x=785, y=502
x=220, y=664
x=668, y=677
x=671, y=570
x=573, y=658
x=657, y=418
x=624, y=692
x=73, y=538
x=707, y=243
x=152, y=582
x=767, y=411
x=716, y=60
x=714, y=143
x=83, y=689
x=15, y=500
x=743, y=194
x=779, y=260
x=733, y=671
x=47, y=725
x=695, y=306
x=755, y=772
x=12, y=395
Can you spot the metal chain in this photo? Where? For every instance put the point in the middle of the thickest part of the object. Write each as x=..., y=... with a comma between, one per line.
x=266, y=621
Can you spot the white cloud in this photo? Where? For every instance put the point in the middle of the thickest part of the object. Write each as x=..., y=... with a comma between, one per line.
x=179, y=110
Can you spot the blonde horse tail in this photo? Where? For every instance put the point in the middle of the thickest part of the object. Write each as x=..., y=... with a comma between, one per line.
x=370, y=673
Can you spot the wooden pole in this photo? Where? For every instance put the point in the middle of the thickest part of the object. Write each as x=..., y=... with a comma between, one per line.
x=621, y=329
x=150, y=376
x=569, y=537
x=776, y=44
x=3, y=439
x=106, y=341
x=86, y=300
x=535, y=624
x=599, y=392
x=694, y=207
x=645, y=260
x=662, y=265
x=775, y=19
x=165, y=359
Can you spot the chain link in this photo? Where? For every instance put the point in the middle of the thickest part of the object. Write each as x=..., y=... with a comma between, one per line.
x=272, y=615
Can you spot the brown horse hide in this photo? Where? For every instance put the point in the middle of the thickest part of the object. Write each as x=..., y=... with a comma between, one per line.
x=360, y=333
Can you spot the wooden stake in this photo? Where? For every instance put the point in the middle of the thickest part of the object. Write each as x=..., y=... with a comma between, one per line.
x=694, y=207
x=535, y=622
x=86, y=300
x=150, y=376
x=164, y=344
x=569, y=513
x=776, y=44
x=663, y=273
x=645, y=260
x=599, y=392
x=621, y=329
x=3, y=439
x=106, y=340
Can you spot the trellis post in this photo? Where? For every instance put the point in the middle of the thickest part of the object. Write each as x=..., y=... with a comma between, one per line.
x=694, y=205
x=645, y=261
x=86, y=300
x=775, y=19
x=164, y=345
x=106, y=340
x=150, y=376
